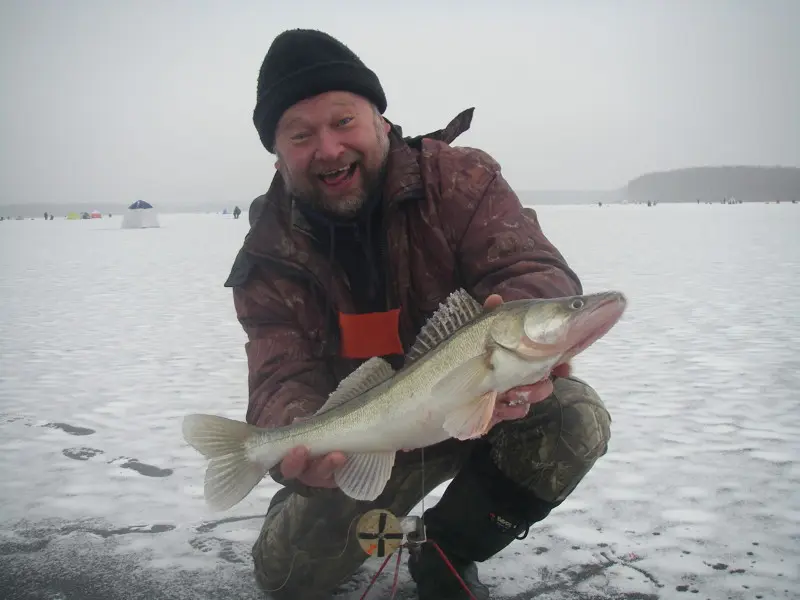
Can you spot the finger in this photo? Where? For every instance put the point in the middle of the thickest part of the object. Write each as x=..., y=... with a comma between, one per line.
x=493, y=301
x=334, y=461
x=295, y=462
x=562, y=370
x=313, y=480
x=322, y=469
x=507, y=413
x=528, y=394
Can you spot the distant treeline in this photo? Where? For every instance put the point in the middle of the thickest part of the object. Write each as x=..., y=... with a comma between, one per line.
x=706, y=184
x=714, y=184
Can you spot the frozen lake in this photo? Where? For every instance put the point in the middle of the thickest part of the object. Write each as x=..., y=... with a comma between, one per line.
x=110, y=336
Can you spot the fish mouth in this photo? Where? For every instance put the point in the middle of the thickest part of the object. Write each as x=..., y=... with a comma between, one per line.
x=597, y=322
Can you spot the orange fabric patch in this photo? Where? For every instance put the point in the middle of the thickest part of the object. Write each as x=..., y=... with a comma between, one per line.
x=370, y=334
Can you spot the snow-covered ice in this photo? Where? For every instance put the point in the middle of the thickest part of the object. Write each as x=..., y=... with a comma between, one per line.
x=108, y=337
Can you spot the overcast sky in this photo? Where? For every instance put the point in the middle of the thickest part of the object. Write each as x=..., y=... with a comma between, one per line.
x=153, y=99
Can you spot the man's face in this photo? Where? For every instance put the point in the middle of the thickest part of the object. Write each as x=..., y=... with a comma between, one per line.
x=332, y=150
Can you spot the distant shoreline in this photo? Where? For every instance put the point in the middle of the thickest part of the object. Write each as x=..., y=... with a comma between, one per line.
x=706, y=184
x=176, y=212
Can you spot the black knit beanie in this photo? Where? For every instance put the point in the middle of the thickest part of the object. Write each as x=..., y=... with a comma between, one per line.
x=302, y=63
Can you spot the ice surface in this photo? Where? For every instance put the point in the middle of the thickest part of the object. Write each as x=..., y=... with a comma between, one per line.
x=109, y=336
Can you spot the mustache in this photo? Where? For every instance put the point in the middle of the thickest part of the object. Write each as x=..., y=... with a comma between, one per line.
x=318, y=168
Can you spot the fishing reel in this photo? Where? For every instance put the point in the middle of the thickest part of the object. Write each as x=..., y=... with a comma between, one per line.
x=380, y=532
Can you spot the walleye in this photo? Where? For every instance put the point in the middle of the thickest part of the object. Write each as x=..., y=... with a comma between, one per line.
x=461, y=360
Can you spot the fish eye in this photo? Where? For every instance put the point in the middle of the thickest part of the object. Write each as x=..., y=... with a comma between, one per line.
x=577, y=304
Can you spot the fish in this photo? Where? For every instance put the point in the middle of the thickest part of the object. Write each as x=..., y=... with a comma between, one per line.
x=462, y=359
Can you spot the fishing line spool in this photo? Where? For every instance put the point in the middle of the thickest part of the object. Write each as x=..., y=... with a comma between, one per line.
x=380, y=532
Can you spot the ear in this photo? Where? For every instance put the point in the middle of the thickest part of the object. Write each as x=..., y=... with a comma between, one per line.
x=278, y=165
x=386, y=125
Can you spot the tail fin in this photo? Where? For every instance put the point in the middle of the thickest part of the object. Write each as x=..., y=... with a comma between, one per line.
x=231, y=474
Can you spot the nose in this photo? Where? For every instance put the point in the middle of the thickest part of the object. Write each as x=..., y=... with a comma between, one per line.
x=329, y=146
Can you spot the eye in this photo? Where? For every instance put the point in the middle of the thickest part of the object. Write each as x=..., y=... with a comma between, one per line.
x=344, y=121
x=299, y=137
x=577, y=304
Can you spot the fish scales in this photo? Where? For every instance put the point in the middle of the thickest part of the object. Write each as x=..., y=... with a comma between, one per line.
x=462, y=359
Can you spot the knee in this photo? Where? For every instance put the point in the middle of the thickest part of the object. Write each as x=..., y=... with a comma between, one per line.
x=555, y=446
x=585, y=424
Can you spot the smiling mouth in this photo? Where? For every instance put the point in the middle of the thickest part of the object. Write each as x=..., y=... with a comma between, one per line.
x=338, y=175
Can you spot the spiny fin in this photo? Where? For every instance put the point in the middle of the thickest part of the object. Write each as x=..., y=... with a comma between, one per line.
x=364, y=475
x=457, y=311
x=231, y=475
x=367, y=376
x=471, y=420
x=466, y=380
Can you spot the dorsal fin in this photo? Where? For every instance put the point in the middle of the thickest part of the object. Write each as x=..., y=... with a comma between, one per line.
x=458, y=310
x=367, y=376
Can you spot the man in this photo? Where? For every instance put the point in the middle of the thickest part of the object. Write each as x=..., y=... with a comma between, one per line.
x=360, y=237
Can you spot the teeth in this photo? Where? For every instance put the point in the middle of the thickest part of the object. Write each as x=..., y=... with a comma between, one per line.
x=336, y=172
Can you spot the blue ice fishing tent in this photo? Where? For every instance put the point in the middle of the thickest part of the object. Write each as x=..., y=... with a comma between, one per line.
x=140, y=204
x=140, y=215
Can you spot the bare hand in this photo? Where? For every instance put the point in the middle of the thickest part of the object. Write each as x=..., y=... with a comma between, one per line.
x=313, y=472
x=516, y=402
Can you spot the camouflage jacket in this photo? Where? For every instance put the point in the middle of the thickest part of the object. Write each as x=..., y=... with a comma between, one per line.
x=450, y=220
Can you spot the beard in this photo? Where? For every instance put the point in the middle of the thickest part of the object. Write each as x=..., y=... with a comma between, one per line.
x=342, y=206
x=310, y=192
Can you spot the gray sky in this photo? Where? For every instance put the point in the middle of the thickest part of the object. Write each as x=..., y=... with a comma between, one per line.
x=113, y=101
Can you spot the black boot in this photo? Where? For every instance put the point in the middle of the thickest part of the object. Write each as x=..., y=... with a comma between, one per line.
x=480, y=513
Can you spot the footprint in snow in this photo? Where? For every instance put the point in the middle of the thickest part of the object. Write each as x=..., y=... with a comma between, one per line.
x=81, y=453
x=142, y=468
x=6, y=418
x=225, y=549
x=70, y=429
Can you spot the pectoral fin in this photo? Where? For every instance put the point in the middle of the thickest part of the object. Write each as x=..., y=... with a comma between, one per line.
x=364, y=476
x=473, y=419
x=465, y=380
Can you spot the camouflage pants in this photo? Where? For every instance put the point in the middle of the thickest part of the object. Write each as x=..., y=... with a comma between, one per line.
x=307, y=545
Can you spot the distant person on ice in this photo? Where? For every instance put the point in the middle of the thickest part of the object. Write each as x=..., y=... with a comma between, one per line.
x=358, y=220
x=236, y=212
